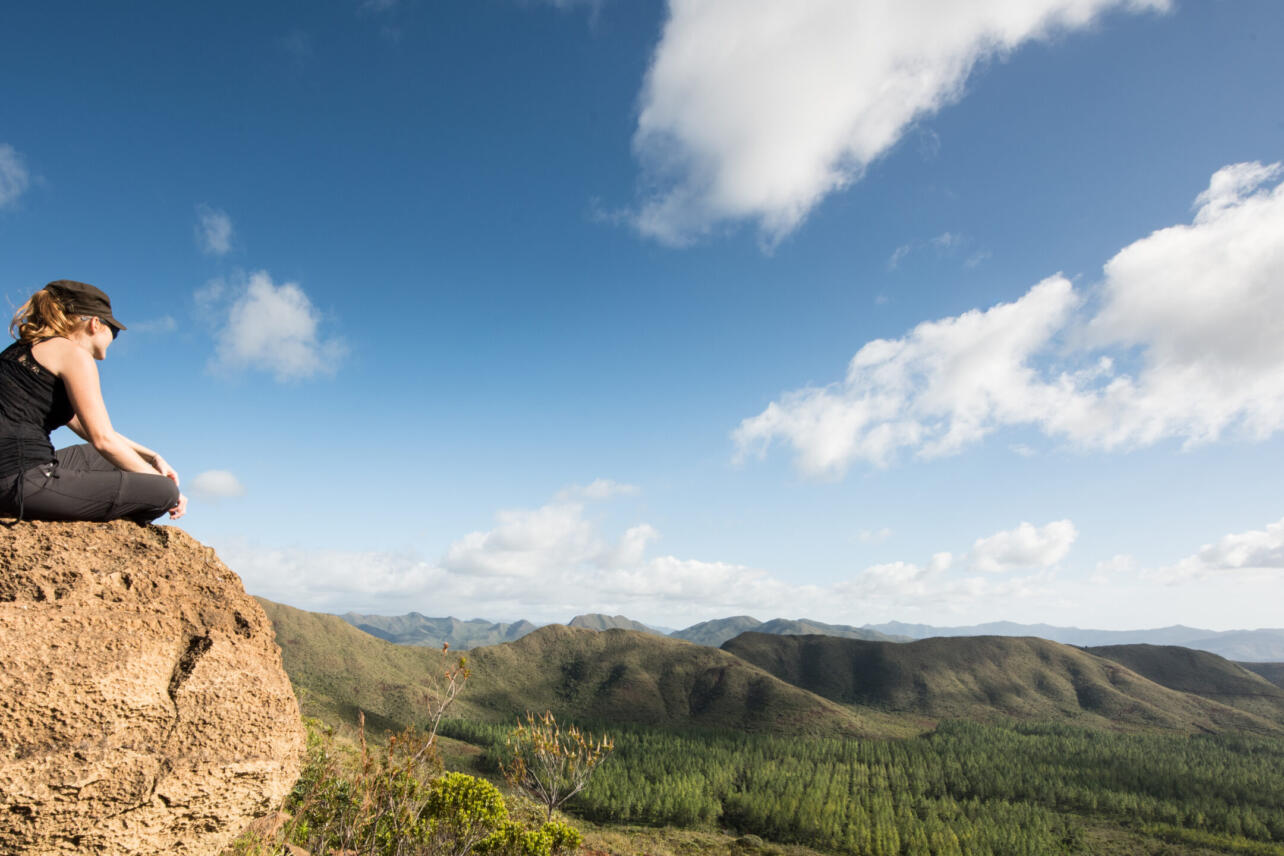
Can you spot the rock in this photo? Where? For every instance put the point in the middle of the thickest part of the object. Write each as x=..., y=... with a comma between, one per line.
x=143, y=706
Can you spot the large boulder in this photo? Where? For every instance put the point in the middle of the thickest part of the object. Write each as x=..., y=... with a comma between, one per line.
x=143, y=706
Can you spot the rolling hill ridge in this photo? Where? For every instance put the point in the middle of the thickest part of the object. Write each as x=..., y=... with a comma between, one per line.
x=991, y=677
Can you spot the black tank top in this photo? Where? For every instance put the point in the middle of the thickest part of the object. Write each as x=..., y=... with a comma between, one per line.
x=33, y=402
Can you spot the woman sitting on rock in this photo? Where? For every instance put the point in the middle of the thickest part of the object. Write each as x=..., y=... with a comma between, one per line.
x=48, y=378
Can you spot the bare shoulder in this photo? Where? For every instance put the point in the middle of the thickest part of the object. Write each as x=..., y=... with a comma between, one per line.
x=60, y=355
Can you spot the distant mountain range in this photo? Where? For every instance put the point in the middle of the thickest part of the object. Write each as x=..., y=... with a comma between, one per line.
x=782, y=684
x=1253, y=646
x=1266, y=645
x=416, y=629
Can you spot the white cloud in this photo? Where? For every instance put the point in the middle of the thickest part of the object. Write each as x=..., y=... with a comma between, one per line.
x=213, y=230
x=529, y=543
x=1252, y=552
x=1196, y=311
x=271, y=328
x=549, y=563
x=217, y=484
x=1023, y=547
x=756, y=109
x=14, y=178
x=948, y=383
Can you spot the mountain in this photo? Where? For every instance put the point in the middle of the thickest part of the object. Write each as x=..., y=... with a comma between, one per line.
x=613, y=675
x=1200, y=673
x=628, y=676
x=1273, y=672
x=716, y=632
x=988, y=677
x=805, y=627
x=1265, y=645
x=416, y=629
x=598, y=621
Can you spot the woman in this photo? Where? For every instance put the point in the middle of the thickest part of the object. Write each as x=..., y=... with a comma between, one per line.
x=48, y=378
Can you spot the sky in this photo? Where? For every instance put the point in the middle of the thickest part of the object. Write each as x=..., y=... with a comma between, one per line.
x=854, y=310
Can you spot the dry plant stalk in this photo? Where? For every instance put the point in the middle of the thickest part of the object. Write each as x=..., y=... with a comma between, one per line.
x=549, y=763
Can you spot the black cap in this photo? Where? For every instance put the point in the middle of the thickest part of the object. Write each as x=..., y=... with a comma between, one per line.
x=81, y=298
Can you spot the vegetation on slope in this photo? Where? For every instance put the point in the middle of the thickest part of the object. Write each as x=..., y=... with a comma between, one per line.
x=966, y=788
x=614, y=675
x=629, y=677
x=1200, y=673
x=717, y=632
x=1273, y=672
x=986, y=678
x=598, y=621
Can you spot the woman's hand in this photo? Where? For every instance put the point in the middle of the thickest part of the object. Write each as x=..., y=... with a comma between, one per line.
x=178, y=510
x=162, y=466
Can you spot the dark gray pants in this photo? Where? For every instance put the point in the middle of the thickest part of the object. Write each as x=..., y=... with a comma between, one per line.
x=84, y=485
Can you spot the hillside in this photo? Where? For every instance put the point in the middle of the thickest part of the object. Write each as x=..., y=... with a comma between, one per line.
x=626, y=676
x=715, y=633
x=338, y=670
x=1273, y=672
x=416, y=629
x=807, y=627
x=613, y=675
x=988, y=677
x=598, y=621
x=1264, y=645
x=1200, y=673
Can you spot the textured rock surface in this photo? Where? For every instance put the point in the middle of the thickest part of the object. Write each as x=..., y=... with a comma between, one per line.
x=143, y=707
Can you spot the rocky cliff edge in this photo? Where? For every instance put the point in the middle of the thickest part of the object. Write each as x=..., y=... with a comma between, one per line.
x=143, y=706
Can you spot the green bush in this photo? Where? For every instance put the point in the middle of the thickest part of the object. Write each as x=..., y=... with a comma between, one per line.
x=397, y=801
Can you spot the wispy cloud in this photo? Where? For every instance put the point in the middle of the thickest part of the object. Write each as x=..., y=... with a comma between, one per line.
x=874, y=536
x=14, y=177
x=269, y=328
x=797, y=99
x=216, y=484
x=213, y=230
x=1197, y=308
x=598, y=489
x=946, y=244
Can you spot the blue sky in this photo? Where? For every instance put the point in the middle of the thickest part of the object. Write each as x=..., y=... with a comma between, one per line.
x=513, y=309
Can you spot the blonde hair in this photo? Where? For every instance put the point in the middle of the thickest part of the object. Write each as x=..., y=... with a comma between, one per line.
x=42, y=317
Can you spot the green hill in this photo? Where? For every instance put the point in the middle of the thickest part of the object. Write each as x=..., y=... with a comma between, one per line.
x=986, y=678
x=1273, y=672
x=612, y=675
x=807, y=627
x=416, y=629
x=1200, y=673
x=626, y=676
x=598, y=621
x=716, y=632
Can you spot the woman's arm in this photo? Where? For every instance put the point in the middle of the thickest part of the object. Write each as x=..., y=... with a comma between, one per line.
x=79, y=375
x=158, y=463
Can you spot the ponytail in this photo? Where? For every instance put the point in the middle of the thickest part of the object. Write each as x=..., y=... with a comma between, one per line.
x=41, y=317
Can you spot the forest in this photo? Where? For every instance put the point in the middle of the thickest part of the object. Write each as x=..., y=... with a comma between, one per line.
x=966, y=788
